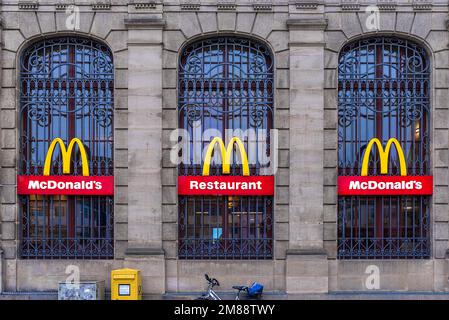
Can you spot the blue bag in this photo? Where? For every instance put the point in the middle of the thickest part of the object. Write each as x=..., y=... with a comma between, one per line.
x=255, y=289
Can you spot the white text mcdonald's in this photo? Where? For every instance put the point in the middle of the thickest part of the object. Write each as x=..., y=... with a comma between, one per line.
x=65, y=184
x=384, y=184
x=244, y=185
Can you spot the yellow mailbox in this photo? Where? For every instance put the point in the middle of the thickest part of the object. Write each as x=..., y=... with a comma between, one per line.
x=126, y=284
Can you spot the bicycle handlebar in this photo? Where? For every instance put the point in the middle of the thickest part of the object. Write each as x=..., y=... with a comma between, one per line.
x=212, y=281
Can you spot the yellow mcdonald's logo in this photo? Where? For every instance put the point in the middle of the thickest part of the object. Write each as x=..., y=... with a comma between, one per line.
x=226, y=154
x=66, y=156
x=383, y=156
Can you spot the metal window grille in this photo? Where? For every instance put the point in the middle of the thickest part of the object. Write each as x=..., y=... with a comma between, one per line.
x=225, y=83
x=66, y=91
x=383, y=92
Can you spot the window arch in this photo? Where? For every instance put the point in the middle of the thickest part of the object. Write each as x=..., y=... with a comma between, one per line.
x=383, y=92
x=225, y=83
x=66, y=91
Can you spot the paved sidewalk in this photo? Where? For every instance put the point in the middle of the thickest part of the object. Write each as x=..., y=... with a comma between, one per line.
x=330, y=296
x=267, y=296
x=373, y=296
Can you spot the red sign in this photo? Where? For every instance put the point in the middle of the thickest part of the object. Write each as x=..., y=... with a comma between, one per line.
x=66, y=185
x=226, y=185
x=384, y=185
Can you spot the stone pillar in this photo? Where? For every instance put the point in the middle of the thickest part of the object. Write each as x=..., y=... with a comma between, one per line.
x=144, y=250
x=307, y=265
x=2, y=189
x=445, y=285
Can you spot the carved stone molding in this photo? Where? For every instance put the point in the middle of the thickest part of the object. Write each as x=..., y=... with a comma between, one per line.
x=422, y=4
x=144, y=252
x=307, y=4
x=28, y=5
x=102, y=5
x=226, y=5
x=144, y=23
x=191, y=5
x=386, y=5
x=262, y=5
x=62, y=6
x=307, y=24
x=144, y=5
x=350, y=5
x=307, y=252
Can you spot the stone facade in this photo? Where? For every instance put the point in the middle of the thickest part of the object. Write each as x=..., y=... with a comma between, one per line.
x=146, y=38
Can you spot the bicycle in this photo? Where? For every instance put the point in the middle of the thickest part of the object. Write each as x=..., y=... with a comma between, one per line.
x=212, y=295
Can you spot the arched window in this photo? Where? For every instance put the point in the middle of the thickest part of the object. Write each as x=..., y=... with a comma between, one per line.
x=225, y=83
x=66, y=91
x=383, y=92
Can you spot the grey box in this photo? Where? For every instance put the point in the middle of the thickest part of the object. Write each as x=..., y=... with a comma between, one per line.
x=83, y=290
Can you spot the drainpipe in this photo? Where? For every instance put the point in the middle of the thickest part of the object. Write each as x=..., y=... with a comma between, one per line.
x=446, y=269
x=1, y=270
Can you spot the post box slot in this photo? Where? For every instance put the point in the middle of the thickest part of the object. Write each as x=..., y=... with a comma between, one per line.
x=124, y=277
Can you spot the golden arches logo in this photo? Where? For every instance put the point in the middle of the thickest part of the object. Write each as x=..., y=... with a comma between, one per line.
x=226, y=154
x=383, y=156
x=66, y=156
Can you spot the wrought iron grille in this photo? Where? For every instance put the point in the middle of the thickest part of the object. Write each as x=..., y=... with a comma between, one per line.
x=224, y=84
x=67, y=89
x=383, y=92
